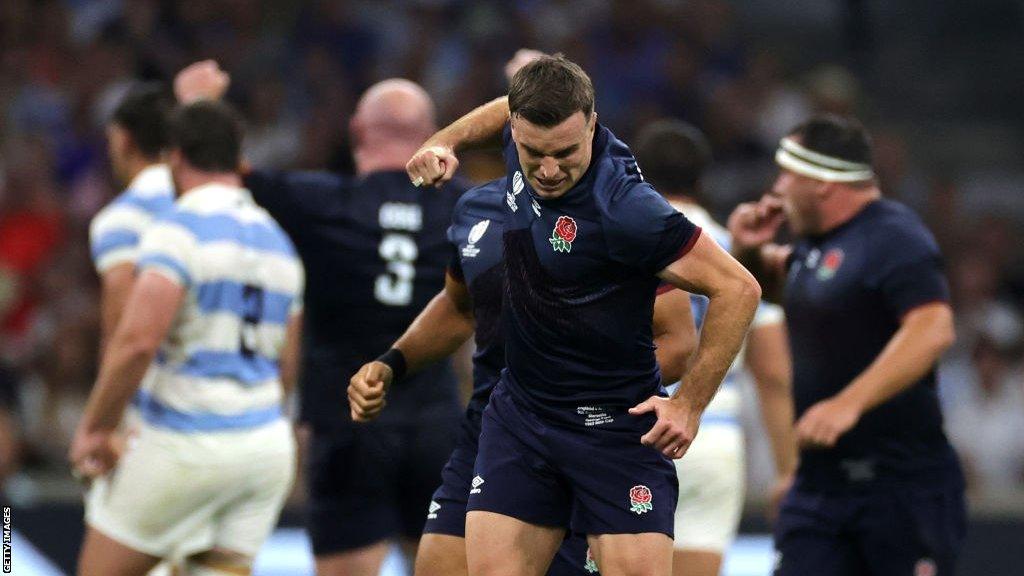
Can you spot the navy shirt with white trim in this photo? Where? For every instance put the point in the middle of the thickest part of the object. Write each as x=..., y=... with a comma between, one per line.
x=846, y=294
x=580, y=288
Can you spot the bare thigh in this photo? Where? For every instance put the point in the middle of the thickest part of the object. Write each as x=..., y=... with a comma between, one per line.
x=499, y=545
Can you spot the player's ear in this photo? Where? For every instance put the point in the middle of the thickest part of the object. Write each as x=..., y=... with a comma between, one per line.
x=117, y=137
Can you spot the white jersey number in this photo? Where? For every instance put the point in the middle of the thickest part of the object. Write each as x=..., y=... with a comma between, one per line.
x=394, y=287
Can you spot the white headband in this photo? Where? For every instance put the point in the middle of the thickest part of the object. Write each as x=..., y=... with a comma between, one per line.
x=795, y=157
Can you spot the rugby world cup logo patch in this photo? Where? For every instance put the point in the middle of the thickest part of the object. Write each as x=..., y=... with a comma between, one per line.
x=563, y=234
x=640, y=499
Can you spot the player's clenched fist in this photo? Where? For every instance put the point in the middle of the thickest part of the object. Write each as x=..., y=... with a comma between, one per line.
x=753, y=224
x=201, y=80
x=432, y=165
x=366, y=391
x=675, y=429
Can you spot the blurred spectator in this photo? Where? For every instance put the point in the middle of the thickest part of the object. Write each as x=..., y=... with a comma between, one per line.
x=984, y=402
x=296, y=66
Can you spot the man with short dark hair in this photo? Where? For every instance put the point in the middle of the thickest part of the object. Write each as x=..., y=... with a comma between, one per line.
x=210, y=332
x=674, y=156
x=578, y=434
x=136, y=138
x=879, y=489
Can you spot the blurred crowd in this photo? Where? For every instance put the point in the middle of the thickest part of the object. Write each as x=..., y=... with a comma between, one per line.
x=296, y=70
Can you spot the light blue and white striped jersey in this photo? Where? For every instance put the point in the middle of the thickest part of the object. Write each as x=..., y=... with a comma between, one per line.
x=725, y=406
x=217, y=369
x=115, y=231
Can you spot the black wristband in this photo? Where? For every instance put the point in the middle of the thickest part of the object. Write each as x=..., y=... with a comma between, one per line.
x=396, y=361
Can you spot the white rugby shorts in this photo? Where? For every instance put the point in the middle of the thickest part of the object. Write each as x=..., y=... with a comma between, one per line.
x=711, y=485
x=174, y=494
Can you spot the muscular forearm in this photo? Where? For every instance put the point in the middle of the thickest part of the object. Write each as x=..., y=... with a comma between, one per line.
x=910, y=354
x=481, y=127
x=124, y=365
x=440, y=329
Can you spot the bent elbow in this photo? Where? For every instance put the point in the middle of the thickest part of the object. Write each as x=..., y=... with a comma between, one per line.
x=750, y=291
x=945, y=337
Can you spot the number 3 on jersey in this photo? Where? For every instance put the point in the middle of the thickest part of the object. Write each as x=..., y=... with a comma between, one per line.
x=394, y=287
x=398, y=251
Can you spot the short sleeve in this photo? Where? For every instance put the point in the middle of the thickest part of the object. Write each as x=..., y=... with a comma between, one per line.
x=455, y=267
x=115, y=233
x=112, y=247
x=644, y=231
x=169, y=249
x=910, y=271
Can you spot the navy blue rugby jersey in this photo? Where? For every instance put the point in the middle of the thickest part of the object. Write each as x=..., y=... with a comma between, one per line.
x=476, y=238
x=580, y=287
x=375, y=252
x=846, y=293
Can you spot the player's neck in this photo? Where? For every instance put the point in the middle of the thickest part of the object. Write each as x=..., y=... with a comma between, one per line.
x=190, y=179
x=383, y=158
x=137, y=166
x=846, y=205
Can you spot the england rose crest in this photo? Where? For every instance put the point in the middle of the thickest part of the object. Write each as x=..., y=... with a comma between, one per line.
x=640, y=499
x=563, y=234
x=830, y=264
x=590, y=565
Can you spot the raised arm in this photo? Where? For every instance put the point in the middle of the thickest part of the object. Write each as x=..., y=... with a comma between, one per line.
x=753, y=225
x=439, y=330
x=435, y=162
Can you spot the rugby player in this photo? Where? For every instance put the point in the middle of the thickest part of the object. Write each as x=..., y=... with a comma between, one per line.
x=673, y=156
x=208, y=330
x=576, y=432
x=879, y=489
x=471, y=304
x=375, y=252
x=136, y=138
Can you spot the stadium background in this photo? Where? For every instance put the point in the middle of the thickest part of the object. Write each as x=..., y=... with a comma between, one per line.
x=939, y=84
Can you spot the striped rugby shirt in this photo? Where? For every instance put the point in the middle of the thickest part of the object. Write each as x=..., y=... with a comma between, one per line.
x=218, y=368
